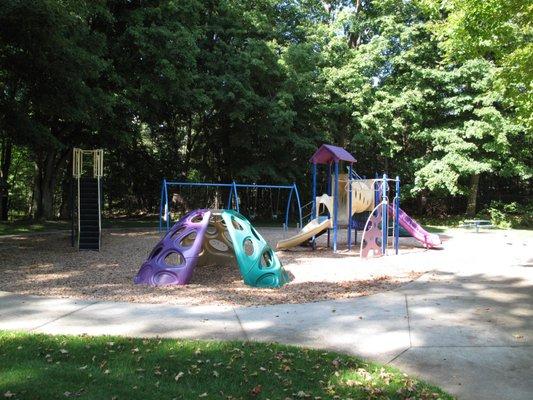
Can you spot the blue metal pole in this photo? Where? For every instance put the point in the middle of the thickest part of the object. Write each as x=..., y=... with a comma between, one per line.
x=298, y=203
x=328, y=191
x=336, y=206
x=288, y=208
x=397, y=216
x=314, y=211
x=258, y=186
x=167, y=208
x=170, y=183
x=230, y=197
x=161, y=205
x=236, y=196
x=384, y=220
x=350, y=208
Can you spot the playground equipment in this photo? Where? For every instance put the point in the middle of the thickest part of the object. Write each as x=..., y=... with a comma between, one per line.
x=233, y=198
x=348, y=195
x=87, y=172
x=343, y=198
x=212, y=237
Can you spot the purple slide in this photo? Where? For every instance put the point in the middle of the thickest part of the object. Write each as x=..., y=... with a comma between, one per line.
x=415, y=230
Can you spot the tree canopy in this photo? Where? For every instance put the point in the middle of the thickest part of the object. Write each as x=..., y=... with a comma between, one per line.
x=436, y=92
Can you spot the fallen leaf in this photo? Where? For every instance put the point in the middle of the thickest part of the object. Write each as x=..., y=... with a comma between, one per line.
x=256, y=390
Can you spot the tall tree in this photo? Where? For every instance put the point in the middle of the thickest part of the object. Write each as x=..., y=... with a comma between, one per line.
x=498, y=31
x=51, y=62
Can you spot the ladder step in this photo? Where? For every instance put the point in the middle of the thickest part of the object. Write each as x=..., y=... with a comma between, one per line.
x=89, y=238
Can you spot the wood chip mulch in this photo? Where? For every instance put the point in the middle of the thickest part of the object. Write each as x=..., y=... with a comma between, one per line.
x=47, y=265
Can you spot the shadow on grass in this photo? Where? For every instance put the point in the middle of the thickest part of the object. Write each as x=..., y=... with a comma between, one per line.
x=45, y=367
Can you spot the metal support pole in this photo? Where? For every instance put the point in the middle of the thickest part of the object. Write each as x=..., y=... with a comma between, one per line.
x=163, y=184
x=234, y=185
x=336, y=207
x=78, y=208
x=230, y=197
x=328, y=191
x=287, y=209
x=384, y=220
x=167, y=208
x=71, y=205
x=397, y=216
x=299, y=205
x=350, y=207
x=314, y=210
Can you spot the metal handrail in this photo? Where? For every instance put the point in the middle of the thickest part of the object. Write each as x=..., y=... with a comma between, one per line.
x=77, y=162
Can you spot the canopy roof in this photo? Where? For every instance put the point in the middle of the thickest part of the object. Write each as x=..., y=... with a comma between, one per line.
x=328, y=153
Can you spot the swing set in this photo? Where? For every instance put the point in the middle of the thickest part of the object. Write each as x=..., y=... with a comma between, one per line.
x=234, y=201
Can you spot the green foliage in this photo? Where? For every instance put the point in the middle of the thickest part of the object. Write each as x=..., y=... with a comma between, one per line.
x=20, y=180
x=474, y=137
x=45, y=367
x=510, y=215
x=497, y=31
x=435, y=92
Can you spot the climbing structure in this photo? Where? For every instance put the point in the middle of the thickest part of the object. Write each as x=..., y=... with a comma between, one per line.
x=87, y=171
x=212, y=237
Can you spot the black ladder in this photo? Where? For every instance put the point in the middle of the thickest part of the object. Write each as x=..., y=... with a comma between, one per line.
x=89, y=214
x=87, y=172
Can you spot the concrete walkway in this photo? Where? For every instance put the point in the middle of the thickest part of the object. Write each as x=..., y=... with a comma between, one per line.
x=466, y=326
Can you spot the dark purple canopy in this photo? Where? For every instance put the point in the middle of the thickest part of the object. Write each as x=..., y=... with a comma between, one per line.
x=327, y=153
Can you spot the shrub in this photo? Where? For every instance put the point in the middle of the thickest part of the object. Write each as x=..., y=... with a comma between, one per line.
x=510, y=215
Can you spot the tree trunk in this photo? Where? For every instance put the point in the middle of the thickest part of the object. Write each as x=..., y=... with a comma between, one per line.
x=189, y=146
x=472, y=198
x=5, y=157
x=64, y=209
x=46, y=172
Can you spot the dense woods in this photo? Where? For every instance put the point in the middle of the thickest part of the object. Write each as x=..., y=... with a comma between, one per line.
x=438, y=92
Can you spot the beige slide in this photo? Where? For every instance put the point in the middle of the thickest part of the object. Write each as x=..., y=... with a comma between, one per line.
x=313, y=228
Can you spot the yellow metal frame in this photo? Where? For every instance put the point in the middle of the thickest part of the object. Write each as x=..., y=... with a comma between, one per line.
x=98, y=162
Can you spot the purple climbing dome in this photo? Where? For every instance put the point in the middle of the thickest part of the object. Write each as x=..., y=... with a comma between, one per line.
x=173, y=259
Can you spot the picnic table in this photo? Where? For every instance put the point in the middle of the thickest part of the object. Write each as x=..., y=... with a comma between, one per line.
x=477, y=224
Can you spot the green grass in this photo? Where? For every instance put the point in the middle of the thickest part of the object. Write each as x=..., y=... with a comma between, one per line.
x=24, y=226
x=58, y=367
x=124, y=223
